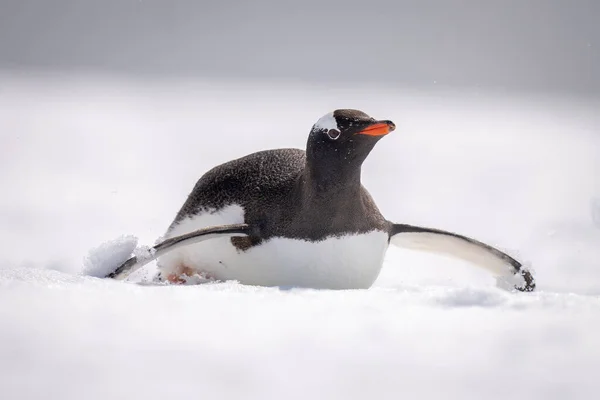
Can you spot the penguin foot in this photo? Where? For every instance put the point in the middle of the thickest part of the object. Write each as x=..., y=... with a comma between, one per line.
x=186, y=275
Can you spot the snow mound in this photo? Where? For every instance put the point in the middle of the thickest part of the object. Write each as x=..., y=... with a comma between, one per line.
x=107, y=257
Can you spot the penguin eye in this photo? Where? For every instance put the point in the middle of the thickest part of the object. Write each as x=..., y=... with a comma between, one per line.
x=333, y=134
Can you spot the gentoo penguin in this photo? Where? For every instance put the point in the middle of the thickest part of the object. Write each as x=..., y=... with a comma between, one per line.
x=289, y=217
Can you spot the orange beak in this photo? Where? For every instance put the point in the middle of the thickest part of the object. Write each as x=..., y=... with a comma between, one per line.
x=378, y=129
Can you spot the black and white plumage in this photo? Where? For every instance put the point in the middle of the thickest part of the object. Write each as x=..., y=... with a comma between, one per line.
x=289, y=217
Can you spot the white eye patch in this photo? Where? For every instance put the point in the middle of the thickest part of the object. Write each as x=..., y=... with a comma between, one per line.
x=327, y=122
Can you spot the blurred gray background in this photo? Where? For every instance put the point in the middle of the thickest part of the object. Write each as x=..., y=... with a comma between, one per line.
x=548, y=46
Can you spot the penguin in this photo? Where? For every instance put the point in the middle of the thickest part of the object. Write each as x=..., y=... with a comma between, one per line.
x=302, y=218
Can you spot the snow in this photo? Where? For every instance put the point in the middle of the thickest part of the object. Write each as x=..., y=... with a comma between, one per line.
x=84, y=161
x=144, y=253
x=107, y=257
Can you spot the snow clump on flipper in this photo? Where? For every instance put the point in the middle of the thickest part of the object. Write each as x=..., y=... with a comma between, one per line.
x=106, y=258
x=144, y=253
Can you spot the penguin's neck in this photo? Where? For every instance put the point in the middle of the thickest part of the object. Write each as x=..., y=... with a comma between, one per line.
x=324, y=181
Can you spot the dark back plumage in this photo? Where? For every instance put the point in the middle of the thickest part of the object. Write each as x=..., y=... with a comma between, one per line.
x=276, y=192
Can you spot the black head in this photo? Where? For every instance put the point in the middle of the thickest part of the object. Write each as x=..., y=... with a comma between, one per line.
x=342, y=140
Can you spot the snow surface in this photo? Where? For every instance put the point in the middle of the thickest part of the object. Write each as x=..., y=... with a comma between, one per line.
x=89, y=160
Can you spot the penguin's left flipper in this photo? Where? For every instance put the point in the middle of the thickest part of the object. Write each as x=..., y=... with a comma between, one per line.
x=462, y=247
x=134, y=263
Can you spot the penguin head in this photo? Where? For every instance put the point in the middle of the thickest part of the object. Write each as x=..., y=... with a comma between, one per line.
x=345, y=137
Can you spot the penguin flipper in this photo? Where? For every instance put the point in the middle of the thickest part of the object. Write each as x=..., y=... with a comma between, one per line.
x=462, y=247
x=175, y=242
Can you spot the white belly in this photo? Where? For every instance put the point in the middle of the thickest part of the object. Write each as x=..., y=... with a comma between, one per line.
x=348, y=262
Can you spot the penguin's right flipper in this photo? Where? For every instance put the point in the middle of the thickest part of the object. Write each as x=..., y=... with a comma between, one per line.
x=462, y=247
x=173, y=243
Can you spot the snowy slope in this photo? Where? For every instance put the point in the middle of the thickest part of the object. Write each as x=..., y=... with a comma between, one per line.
x=87, y=160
